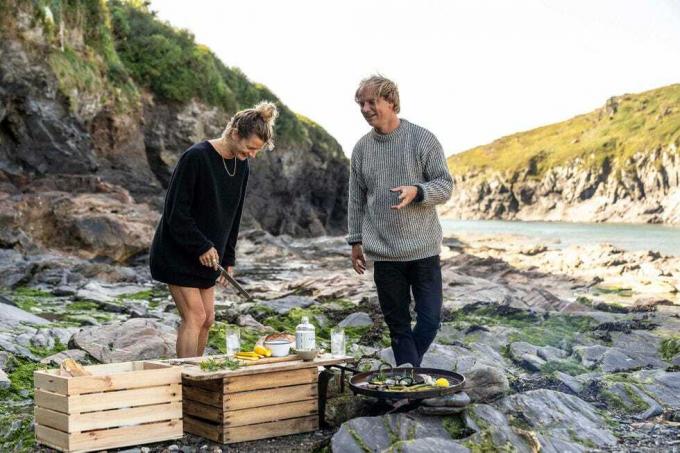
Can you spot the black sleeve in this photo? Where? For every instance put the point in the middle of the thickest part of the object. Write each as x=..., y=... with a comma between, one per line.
x=229, y=256
x=177, y=212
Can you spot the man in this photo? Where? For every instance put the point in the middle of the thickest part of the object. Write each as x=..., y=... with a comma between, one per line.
x=398, y=175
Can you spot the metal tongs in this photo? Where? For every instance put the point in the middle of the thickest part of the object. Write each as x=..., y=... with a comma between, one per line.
x=232, y=281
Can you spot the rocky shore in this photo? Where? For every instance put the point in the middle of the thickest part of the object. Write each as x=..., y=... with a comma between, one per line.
x=564, y=349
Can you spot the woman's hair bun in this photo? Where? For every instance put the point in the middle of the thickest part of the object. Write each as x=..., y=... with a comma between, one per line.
x=267, y=110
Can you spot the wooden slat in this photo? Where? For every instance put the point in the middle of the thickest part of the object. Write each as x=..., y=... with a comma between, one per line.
x=112, y=376
x=195, y=372
x=126, y=436
x=269, y=397
x=212, y=385
x=108, y=400
x=123, y=381
x=50, y=382
x=203, y=428
x=198, y=360
x=270, y=413
x=203, y=411
x=53, y=401
x=270, y=380
x=272, y=429
x=51, y=437
x=211, y=398
x=106, y=419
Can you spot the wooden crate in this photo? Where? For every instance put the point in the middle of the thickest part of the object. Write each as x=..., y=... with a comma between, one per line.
x=270, y=403
x=121, y=404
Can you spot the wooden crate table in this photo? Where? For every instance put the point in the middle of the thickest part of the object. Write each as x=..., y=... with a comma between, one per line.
x=120, y=404
x=268, y=398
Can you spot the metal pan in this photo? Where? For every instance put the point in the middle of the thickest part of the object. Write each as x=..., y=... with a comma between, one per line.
x=359, y=383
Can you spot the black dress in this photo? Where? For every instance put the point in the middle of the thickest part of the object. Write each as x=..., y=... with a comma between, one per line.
x=202, y=209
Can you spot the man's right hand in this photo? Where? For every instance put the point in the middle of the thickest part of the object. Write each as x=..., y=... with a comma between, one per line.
x=358, y=260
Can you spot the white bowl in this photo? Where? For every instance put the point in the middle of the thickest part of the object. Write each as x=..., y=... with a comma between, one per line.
x=279, y=348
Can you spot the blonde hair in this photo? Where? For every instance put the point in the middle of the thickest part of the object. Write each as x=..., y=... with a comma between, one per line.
x=258, y=120
x=384, y=88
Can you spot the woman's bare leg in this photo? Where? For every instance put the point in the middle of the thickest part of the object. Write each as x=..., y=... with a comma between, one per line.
x=208, y=298
x=190, y=306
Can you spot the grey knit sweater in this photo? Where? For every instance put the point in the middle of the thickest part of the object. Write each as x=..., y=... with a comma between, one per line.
x=408, y=156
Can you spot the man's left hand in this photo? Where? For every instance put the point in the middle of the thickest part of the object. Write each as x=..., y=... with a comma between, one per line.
x=406, y=196
x=223, y=281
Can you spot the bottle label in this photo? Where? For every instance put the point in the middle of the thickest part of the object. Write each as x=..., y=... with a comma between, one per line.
x=305, y=340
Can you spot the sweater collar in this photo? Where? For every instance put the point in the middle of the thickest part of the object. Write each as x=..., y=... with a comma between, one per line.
x=398, y=132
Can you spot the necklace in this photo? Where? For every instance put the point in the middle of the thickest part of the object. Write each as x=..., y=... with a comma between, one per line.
x=226, y=169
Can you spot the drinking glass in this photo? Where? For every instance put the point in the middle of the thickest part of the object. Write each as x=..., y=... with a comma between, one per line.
x=337, y=341
x=233, y=339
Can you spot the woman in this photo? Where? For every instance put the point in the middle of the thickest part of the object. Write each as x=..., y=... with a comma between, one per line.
x=200, y=222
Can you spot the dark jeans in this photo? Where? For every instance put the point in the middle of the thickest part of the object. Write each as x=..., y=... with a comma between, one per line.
x=395, y=280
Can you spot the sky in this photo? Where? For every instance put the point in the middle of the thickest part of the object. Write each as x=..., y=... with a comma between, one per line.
x=469, y=71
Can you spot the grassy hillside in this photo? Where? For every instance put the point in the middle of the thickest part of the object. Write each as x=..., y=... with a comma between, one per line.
x=625, y=125
x=112, y=50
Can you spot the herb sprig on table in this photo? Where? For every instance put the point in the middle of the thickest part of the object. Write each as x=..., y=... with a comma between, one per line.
x=216, y=365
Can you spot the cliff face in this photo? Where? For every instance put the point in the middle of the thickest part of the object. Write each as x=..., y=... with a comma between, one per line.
x=88, y=140
x=618, y=164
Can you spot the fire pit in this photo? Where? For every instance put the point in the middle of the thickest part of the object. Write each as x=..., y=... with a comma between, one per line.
x=406, y=383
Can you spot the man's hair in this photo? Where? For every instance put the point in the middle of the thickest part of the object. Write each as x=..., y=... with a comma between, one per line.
x=384, y=88
x=258, y=120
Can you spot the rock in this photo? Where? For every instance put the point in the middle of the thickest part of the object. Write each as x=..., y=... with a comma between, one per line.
x=650, y=303
x=346, y=407
x=64, y=290
x=249, y=321
x=134, y=339
x=93, y=295
x=427, y=445
x=520, y=348
x=443, y=410
x=63, y=334
x=549, y=353
x=484, y=383
x=459, y=357
x=358, y=319
x=24, y=339
x=640, y=345
x=379, y=433
x=661, y=385
x=559, y=419
x=629, y=397
x=5, y=383
x=14, y=268
x=284, y=305
x=7, y=342
x=492, y=428
x=590, y=355
x=615, y=360
x=526, y=355
x=569, y=381
x=11, y=316
x=5, y=360
x=460, y=399
x=78, y=355
x=676, y=360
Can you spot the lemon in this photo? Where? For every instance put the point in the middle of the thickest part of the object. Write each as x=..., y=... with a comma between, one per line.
x=262, y=351
x=441, y=382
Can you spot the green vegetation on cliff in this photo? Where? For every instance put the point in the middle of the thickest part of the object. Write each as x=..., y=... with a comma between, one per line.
x=624, y=126
x=107, y=52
